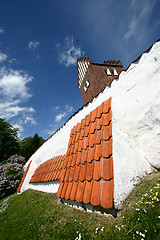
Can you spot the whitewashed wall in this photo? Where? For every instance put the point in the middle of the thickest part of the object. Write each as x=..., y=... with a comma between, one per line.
x=136, y=125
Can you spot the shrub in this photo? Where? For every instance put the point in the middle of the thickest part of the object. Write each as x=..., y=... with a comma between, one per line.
x=10, y=175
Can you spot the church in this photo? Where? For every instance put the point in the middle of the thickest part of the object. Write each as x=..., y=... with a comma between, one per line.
x=105, y=148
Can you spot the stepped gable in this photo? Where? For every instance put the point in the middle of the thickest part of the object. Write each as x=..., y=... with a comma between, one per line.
x=87, y=174
x=94, y=77
x=49, y=170
x=20, y=185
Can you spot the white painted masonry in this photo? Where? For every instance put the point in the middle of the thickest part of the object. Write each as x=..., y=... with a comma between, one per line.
x=50, y=187
x=136, y=126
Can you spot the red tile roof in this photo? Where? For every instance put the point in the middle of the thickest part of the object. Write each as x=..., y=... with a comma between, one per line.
x=49, y=170
x=87, y=174
x=20, y=185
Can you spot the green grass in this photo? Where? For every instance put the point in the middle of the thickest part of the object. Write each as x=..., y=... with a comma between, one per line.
x=37, y=215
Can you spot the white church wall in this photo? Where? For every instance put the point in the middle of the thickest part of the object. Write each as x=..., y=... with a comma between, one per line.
x=50, y=187
x=135, y=121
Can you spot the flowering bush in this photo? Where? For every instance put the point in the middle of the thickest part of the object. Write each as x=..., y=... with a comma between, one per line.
x=10, y=175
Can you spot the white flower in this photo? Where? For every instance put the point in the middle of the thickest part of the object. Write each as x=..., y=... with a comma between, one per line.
x=102, y=229
x=137, y=209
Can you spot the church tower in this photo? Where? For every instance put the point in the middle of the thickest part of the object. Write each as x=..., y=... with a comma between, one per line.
x=94, y=77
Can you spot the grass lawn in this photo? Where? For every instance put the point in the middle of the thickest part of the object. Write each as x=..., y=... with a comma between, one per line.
x=37, y=215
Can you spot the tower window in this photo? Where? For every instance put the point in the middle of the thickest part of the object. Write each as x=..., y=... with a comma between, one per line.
x=114, y=71
x=107, y=71
x=87, y=83
x=85, y=89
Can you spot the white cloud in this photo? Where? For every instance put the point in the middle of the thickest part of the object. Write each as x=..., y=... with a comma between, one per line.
x=63, y=112
x=13, y=84
x=33, y=44
x=12, y=109
x=68, y=53
x=30, y=119
x=68, y=108
x=14, y=92
x=3, y=57
x=13, y=60
x=59, y=117
x=56, y=108
x=141, y=11
x=1, y=30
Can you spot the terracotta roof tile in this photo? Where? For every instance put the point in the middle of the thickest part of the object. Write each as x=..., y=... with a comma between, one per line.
x=86, y=142
x=92, y=139
x=99, y=136
x=97, y=170
x=107, y=132
x=48, y=171
x=77, y=136
x=88, y=119
x=60, y=189
x=99, y=123
x=73, y=139
x=79, y=156
x=63, y=174
x=93, y=115
x=99, y=111
x=93, y=127
x=71, y=175
x=74, y=159
x=74, y=130
x=73, y=191
x=80, y=145
x=84, y=156
x=107, y=168
x=95, y=195
x=78, y=127
x=88, y=173
x=66, y=178
x=70, y=141
x=86, y=131
x=68, y=190
x=98, y=151
x=91, y=152
x=106, y=106
x=76, y=173
x=87, y=192
x=80, y=191
x=81, y=134
x=107, y=194
x=76, y=147
x=82, y=173
x=83, y=123
x=107, y=148
x=64, y=189
x=69, y=161
x=106, y=118
x=71, y=149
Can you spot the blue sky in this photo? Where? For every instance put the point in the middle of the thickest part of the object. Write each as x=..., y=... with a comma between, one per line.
x=40, y=42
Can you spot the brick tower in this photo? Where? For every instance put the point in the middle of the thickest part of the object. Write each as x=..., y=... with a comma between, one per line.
x=94, y=77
